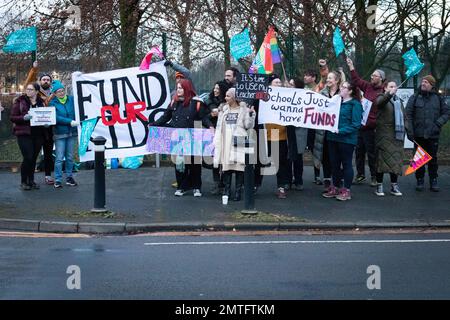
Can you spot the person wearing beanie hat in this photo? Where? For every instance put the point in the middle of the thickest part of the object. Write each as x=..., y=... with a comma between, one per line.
x=366, y=139
x=431, y=80
x=44, y=82
x=65, y=133
x=426, y=113
x=56, y=85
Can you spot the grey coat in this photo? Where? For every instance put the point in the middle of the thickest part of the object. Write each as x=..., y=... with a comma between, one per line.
x=426, y=114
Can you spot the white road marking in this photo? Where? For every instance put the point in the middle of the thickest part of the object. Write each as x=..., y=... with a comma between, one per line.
x=293, y=242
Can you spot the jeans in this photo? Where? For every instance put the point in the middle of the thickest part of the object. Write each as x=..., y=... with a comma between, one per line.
x=431, y=147
x=64, y=148
x=366, y=144
x=341, y=155
x=29, y=147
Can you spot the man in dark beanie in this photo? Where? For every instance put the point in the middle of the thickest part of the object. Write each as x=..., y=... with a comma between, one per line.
x=426, y=114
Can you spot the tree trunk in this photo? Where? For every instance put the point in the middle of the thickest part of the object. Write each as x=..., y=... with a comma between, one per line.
x=130, y=16
x=365, y=46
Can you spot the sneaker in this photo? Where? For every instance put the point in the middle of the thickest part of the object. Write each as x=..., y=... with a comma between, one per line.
x=359, y=179
x=57, y=185
x=332, y=192
x=434, y=185
x=395, y=190
x=420, y=186
x=179, y=193
x=318, y=181
x=373, y=182
x=25, y=187
x=379, y=190
x=197, y=193
x=71, y=182
x=175, y=185
x=281, y=193
x=49, y=180
x=344, y=195
x=298, y=187
x=35, y=186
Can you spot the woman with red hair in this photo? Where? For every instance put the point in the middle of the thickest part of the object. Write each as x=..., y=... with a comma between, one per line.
x=183, y=111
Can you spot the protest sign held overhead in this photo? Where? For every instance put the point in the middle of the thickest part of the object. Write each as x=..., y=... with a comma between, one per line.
x=300, y=108
x=126, y=100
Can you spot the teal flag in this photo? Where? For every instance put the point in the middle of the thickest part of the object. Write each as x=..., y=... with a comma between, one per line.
x=87, y=128
x=240, y=45
x=23, y=40
x=412, y=63
x=338, y=42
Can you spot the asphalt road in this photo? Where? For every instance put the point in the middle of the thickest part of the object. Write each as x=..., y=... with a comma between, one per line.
x=274, y=267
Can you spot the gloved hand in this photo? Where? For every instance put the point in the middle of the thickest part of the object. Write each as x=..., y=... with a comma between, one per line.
x=168, y=63
x=27, y=117
x=74, y=123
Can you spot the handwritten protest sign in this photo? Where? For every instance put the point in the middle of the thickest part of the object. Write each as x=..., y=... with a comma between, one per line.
x=251, y=86
x=45, y=116
x=240, y=45
x=180, y=141
x=300, y=108
x=125, y=100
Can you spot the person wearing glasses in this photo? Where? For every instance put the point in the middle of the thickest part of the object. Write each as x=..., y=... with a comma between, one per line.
x=30, y=139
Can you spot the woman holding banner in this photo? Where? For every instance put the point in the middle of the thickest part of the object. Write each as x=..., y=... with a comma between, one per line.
x=389, y=137
x=320, y=151
x=65, y=134
x=229, y=141
x=183, y=111
x=30, y=139
x=341, y=144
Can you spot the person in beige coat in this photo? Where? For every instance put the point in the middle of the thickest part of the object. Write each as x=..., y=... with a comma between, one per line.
x=235, y=118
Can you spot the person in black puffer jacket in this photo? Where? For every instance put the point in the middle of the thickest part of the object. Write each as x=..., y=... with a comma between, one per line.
x=426, y=114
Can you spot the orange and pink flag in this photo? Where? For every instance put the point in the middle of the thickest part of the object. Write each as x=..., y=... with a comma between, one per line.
x=421, y=157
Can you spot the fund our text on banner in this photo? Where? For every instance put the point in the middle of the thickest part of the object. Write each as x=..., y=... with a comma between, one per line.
x=180, y=141
x=126, y=100
x=421, y=157
x=300, y=108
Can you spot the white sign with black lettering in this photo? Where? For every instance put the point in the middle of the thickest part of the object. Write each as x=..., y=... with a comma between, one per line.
x=45, y=116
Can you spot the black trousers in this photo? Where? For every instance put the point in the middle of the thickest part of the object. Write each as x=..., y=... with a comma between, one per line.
x=29, y=146
x=191, y=178
x=366, y=144
x=326, y=162
x=283, y=163
x=431, y=147
x=296, y=167
x=380, y=175
x=48, y=157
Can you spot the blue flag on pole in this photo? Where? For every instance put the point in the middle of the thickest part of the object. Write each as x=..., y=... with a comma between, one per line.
x=412, y=63
x=338, y=42
x=23, y=40
x=87, y=128
x=240, y=45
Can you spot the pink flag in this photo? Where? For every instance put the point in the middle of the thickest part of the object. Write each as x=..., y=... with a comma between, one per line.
x=145, y=64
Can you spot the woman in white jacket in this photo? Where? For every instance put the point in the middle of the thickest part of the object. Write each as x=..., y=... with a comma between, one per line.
x=235, y=118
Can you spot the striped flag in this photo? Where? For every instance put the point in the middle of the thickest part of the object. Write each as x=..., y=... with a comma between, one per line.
x=268, y=54
x=421, y=157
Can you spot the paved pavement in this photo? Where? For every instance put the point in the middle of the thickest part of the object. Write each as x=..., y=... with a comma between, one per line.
x=145, y=196
x=370, y=266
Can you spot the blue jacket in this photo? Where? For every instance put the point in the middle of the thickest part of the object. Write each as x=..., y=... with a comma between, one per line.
x=350, y=117
x=65, y=114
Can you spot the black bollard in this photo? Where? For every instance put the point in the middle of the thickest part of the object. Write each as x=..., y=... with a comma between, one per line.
x=99, y=193
x=249, y=180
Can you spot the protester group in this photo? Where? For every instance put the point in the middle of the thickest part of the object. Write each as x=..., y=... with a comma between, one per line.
x=381, y=138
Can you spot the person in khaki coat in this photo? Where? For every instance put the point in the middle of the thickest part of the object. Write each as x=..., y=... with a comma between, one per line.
x=235, y=118
x=389, y=137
